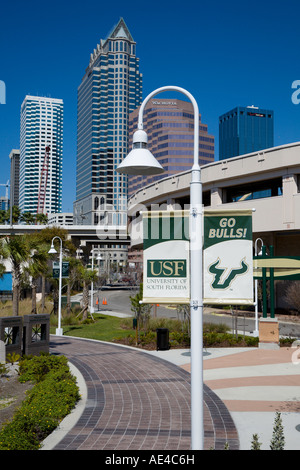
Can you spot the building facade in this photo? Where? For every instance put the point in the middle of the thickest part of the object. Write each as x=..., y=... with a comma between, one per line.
x=62, y=218
x=41, y=127
x=270, y=180
x=169, y=124
x=244, y=130
x=110, y=89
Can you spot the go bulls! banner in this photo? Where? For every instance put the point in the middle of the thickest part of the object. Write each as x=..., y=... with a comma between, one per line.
x=228, y=257
x=166, y=257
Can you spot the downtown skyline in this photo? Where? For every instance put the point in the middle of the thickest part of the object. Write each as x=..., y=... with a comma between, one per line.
x=225, y=55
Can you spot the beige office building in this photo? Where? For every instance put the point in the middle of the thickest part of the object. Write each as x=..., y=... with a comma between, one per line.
x=169, y=124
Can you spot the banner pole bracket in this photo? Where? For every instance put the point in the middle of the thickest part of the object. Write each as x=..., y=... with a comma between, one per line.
x=195, y=211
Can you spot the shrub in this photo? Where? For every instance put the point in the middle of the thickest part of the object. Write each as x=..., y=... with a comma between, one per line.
x=292, y=296
x=255, y=444
x=12, y=357
x=215, y=327
x=214, y=339
x=46, y=404
x=278, y=440
x=35, y=368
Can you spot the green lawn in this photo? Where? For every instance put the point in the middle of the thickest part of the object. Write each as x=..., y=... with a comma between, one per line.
x=105, y=328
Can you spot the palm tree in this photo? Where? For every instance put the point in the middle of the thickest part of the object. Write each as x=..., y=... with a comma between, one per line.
x=27, y=217
x=37, y=267
x=45, y=237
x=74, y=276
x=3, y=217
x=41, y=219
x=17, y=249
x=16, y=214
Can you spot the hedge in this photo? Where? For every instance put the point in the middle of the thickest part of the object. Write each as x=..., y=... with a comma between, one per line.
x=52, y=398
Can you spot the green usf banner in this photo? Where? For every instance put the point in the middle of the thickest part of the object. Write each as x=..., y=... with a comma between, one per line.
x=55, y=269
x=228, y=257
x=166, y=257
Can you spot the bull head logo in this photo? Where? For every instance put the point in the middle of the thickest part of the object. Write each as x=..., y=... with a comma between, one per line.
x=233, y=273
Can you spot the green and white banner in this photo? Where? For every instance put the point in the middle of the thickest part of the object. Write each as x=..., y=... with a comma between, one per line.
x=228, y=257
x=166, y=257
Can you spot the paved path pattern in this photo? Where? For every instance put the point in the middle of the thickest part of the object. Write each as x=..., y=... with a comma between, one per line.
x=137, y=401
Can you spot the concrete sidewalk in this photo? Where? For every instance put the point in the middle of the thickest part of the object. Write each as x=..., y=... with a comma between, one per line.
x=253, y=384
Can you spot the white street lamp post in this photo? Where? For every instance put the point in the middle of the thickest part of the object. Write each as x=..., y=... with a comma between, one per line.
x=141, y=161
x=256, y=331
x=99, y=258
x=59, y=331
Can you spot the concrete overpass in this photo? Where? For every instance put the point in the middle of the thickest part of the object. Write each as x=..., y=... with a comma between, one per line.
x=79, y=234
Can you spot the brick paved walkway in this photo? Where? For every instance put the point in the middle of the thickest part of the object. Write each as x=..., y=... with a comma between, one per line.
x=137, y=401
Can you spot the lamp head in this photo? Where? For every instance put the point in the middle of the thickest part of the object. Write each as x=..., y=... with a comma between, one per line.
x=52, y=250
x=140, y=160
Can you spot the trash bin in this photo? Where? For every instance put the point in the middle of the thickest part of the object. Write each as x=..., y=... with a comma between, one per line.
x=162, y=339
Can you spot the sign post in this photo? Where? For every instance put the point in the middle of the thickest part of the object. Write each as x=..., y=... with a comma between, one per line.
x=271, y=268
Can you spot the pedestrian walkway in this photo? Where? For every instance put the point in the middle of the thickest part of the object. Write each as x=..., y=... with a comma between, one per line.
x=141, y=400
x=135, y=400
x=254, y=384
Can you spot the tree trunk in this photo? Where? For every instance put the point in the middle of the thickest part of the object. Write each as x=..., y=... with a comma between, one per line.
x=43, y=293
x=69, y=299
x=85, y=300
x=33, y=296
x=16, y=290
x=55, y=301
x=15, y=305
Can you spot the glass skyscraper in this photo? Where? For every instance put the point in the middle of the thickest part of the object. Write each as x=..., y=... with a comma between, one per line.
x=244, y=130
x=110, y=89
x=41, y=127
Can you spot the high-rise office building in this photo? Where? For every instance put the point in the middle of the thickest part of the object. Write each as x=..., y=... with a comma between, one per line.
x=110, y=89
x=244, y=130
x=14, y=176
x=41, y=127
x=169, y=124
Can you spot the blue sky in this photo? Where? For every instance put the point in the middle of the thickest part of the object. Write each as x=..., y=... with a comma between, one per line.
x=224, y=53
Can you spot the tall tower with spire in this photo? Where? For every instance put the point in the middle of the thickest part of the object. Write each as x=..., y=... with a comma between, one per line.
x=110, y=89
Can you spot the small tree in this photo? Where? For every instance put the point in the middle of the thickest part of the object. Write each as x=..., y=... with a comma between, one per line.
x=41, y=219
x=74, y=276
x=255, y=444
x=17, y=249
x=141, y=311
x=292, y=296
x=27, y=218
x=87, y=276
x=278, y=440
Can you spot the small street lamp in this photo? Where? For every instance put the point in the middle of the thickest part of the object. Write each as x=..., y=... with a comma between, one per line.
x=99, y=257
x=59, y=331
